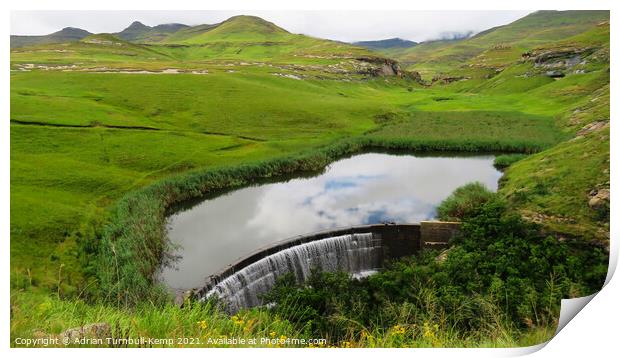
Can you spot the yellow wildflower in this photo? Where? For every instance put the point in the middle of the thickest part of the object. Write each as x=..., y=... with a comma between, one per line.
x=430, y=333
x=248, y=326
x=398, y=329
x=236, y=320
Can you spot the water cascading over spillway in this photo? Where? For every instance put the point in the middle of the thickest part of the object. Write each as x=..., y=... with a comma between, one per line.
x=357, y=254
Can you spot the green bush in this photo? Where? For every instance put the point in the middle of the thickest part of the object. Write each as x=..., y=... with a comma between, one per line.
x=463, y=201
x=502, y=275
x=505, y=160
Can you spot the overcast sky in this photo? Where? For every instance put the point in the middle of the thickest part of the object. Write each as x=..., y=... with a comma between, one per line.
x=335, y=25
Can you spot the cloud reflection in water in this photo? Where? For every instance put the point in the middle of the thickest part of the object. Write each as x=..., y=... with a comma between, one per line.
x=364, y=189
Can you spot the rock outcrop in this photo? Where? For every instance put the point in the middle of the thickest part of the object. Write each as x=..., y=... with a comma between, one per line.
x=554, y=62
x=380, y=66
x=446, y=79
x=599, y=198
x=93, y=330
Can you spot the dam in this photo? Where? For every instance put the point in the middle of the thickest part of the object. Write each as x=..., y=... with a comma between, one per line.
x=360, y=251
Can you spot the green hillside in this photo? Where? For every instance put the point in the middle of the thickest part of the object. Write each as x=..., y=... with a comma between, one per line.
x=107, y=131
x=504, y=43
x=252, y=38
x=238, y=39
x=235, y=29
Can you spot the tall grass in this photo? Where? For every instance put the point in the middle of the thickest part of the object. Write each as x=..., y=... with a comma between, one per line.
x=505, y=160
x=48, y=317
x=41, y=316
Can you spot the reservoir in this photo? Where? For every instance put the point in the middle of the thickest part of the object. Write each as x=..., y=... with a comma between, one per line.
x=364, y=189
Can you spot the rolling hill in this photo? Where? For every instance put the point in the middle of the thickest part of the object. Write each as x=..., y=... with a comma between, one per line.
x=246, y=38
x=235, y=29
x=68, y=34
x=238, y=41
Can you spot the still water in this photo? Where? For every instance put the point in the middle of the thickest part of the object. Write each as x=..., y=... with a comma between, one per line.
x=363, y=189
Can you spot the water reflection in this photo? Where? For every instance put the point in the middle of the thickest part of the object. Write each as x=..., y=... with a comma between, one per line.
x=364, y=189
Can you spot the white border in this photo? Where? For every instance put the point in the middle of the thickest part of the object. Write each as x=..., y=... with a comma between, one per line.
x=593, y=331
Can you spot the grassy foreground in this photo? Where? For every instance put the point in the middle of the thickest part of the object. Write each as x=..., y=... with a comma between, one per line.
x=97, y=157
x=203, y=326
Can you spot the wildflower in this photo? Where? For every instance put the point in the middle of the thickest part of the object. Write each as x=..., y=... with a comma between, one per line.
x=398, y=329
x=430, y=333
x=272, y=334
x=202, y=324
x=237, y=321
x=248, y=326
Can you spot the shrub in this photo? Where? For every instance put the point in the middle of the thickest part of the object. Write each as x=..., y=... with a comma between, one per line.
x=505, y=160
x=464, y=201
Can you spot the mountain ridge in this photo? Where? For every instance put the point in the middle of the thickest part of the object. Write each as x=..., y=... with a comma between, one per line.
x=394, y=42
x=66, y=34
x=139, y=32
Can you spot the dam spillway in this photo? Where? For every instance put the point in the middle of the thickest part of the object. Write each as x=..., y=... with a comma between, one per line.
x=357, y=254
x=357, y=250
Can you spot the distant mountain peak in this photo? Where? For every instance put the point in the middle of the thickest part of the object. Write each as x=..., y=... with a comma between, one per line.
x=394, y=42
x=250, y=23
x=137, y=24
x=138, y=31
x=67, y=34
x=71, y=32
x=247, y=18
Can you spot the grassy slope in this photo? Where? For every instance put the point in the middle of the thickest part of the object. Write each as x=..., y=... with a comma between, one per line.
x=553, y=186
x=251, y=38
x=504, y=43
x=63, y=177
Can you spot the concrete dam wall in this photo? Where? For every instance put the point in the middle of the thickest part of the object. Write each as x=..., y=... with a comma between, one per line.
x=359, y=250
